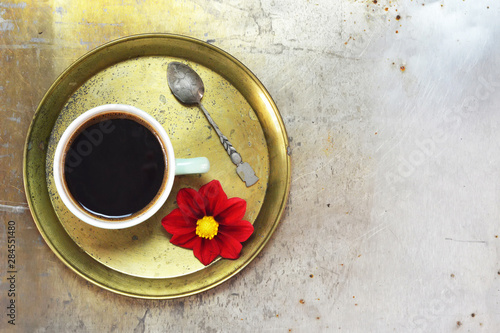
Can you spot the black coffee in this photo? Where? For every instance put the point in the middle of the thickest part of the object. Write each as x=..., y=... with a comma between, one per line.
x=115, y=167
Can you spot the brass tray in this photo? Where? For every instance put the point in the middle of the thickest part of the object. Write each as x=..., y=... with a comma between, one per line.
x=140, y=261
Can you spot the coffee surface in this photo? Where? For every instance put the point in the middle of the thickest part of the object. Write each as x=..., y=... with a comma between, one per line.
x=115, y=167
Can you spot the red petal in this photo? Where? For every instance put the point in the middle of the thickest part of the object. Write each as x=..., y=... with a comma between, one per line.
x=213, y=195
x=191, y=203
x=188, y=241
x=231, y=211
x=240, y=230
x=230, y=247
x=206, y=251
x=177, y=223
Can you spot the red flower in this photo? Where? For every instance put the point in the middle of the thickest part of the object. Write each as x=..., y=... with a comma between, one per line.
x=208, y=222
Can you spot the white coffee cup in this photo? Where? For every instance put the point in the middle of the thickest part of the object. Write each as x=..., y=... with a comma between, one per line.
x=117, y=111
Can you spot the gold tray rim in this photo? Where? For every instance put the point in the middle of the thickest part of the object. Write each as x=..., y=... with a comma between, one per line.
x=284, y=181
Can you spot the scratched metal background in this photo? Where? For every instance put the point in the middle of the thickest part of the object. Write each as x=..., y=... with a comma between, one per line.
x=392, y=108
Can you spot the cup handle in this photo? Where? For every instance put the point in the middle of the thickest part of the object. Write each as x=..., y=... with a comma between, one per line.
x=188, y=166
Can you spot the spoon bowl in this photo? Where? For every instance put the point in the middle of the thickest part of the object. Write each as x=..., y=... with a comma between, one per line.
x=185, y=83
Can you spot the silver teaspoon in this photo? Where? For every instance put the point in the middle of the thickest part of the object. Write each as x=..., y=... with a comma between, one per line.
x=188, y=88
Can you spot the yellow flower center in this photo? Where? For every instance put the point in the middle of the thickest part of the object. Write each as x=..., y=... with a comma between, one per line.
x=207, y=227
